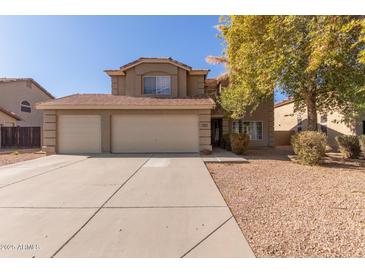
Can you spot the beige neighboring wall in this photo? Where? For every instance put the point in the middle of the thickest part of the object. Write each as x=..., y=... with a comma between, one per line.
x=14, y=92
x=286, y=121
x=50, y=127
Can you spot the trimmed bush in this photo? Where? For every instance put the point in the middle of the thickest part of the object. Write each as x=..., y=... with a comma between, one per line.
x=349, y=146
x=362, y=144
x=239, y=142
x=309, y=146
x=227, y=141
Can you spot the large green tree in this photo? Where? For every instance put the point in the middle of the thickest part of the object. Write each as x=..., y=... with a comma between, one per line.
x=316, y=60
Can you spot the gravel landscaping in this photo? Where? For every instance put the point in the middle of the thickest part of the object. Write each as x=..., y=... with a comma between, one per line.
x=11, y=158
x=288, y=210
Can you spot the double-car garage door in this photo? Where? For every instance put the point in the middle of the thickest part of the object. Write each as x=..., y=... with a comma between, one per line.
x=129, y=133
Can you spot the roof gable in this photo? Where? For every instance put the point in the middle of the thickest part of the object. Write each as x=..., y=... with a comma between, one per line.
x=168, y=60
x=162, y=60
x=11, y=80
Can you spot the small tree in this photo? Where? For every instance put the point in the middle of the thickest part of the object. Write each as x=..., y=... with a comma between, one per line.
x=317, y=60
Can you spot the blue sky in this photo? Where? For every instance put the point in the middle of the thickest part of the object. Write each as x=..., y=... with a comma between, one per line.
x=67, y=54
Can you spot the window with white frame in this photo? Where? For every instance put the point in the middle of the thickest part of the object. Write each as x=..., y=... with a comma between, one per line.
x=157, y=85
x=254, y=129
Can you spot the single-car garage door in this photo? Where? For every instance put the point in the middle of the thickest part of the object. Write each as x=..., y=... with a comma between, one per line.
x=155, y=133
x=79, y=134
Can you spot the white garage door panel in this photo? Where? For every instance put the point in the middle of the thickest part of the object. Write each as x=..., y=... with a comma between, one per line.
x=155, y=133
x=79, y=134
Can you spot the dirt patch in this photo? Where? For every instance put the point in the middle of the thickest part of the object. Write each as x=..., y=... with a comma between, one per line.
x=11, y=158
x=290, y=210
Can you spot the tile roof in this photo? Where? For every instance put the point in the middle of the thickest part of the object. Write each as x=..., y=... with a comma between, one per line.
x=151, y=59
x=9, y=80
x=10, y=113
x=284, y=102
x=119, y=101
x=211, y=82
x=222, y=77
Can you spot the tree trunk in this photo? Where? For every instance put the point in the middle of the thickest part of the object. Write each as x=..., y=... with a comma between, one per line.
x=311, y=112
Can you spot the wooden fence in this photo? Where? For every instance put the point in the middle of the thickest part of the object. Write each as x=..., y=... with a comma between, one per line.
x=22, y=137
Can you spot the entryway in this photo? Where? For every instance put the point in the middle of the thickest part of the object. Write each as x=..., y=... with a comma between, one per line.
x=217, y=131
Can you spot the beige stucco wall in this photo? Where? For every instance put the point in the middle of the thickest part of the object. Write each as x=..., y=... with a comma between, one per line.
x=265, y=114
x=13, y=93
x=286, y=121
x=195, y=85
x=50, y=129
x=182, y=84
x=6, y=120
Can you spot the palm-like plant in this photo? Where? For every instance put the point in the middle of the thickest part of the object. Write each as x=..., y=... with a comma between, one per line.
x=215, y=60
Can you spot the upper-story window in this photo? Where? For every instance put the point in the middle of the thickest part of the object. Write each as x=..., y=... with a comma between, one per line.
x=157, y=85
x=25, y=106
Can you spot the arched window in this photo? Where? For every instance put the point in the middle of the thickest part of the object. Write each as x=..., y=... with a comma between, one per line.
x=25, y=106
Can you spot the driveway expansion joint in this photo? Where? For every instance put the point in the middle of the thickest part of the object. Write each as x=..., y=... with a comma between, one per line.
x=206, y=237
x=45, y=172
x=102, y=206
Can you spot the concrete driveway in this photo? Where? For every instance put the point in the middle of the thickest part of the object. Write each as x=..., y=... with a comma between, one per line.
x=115, y=206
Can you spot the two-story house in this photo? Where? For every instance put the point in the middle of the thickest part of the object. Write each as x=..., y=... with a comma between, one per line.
x=19, y=96
x=20, y=121
x=156, y=105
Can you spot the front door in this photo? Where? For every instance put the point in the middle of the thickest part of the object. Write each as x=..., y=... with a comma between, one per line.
x=216, y=131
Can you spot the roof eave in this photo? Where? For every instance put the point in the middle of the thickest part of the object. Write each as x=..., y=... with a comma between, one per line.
x=199, y=72
x=10, y=114
x=114, y=72
x=157, y=60
x=103, y=107
x=284, y=103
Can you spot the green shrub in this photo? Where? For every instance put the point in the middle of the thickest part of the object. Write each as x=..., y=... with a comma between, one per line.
x=239, y=142
x=362, y=144
x=227, y=141
x=349, y=145
x=309, y=146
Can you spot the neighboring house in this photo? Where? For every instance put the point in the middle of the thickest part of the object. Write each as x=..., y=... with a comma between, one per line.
x=287, y=123
x=19, y=96
x=155, y=105
x=259, y=125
